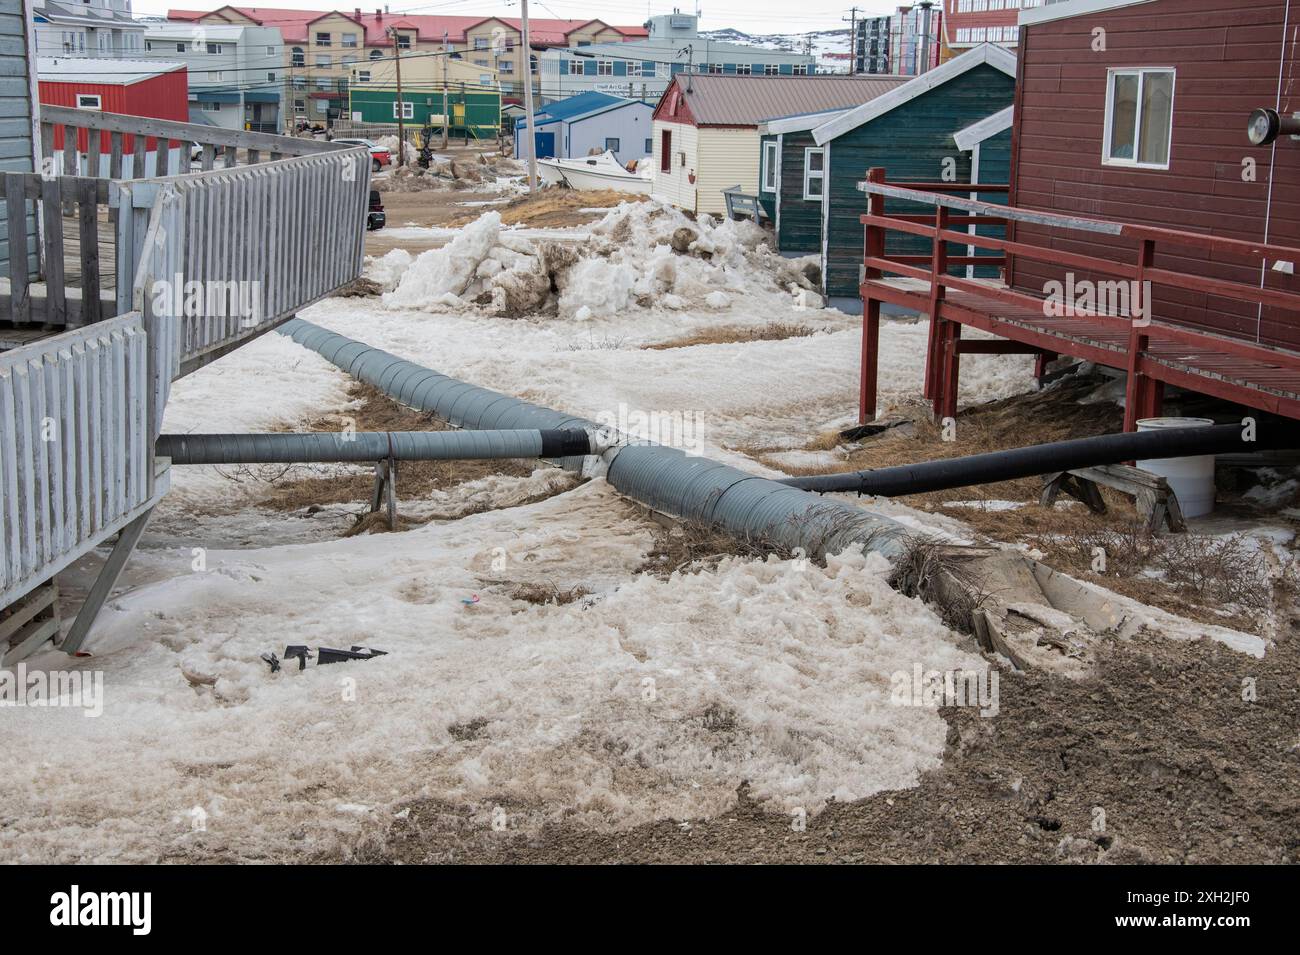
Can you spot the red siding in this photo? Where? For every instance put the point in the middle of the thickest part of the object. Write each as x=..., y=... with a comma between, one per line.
x=1228, y=55
x=165, y=96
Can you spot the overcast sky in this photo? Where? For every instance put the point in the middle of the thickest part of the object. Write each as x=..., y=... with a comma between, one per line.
x=752, y=16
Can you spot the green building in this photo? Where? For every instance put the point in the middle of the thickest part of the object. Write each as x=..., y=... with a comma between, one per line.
x=475, y=111
x=951, y=124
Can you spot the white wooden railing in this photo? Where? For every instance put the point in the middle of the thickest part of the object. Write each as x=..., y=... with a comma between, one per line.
x=227, y=254
x=76, y=454
x=80, y=411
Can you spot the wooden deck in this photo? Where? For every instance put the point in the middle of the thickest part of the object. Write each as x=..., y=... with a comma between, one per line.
x=1268, y=385
x=1121, y=334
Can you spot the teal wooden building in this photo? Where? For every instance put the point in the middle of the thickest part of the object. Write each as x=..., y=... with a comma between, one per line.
x=951, y=124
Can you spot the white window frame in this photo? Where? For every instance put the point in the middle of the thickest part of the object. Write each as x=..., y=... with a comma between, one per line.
x=808, y=174
x=769, y=165
x=408, y=110
x=82, y=104
x=363, y=76
x=1141, y=72
x=575, y=67
x=604, y=67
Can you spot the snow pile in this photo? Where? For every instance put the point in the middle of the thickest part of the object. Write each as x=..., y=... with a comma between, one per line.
x=650, y=699
x=388, y=269
x=641, y=255
x=390, y=143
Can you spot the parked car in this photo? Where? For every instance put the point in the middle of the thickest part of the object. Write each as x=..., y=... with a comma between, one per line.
x=379, y=156
x=375, y=217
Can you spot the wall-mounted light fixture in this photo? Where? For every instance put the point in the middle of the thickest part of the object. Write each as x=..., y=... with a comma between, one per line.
x=1266, y=125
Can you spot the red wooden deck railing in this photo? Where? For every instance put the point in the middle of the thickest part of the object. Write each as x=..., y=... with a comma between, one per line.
x=1153, y=352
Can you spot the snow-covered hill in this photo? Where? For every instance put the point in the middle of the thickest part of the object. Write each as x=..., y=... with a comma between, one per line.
x=831, y=47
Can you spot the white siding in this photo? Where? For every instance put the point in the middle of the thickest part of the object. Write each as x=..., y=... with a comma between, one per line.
x=674, y=187
x=726, y=157
x=629, y=124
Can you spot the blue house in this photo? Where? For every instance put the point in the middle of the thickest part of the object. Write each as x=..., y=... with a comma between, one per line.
x=951, y=124
x=574, y=127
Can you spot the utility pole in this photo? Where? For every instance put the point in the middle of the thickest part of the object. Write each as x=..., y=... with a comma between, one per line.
x=401, y=126
x=853, y=39
x=924, y=66
x=530, y=147
x=446, y=54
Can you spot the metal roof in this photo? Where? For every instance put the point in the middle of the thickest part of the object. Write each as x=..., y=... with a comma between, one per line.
x=731, y=100
x=577, y=105
x=102, y=72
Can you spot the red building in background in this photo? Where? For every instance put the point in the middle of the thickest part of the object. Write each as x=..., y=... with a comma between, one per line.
x=131, y=87
x=968, y=23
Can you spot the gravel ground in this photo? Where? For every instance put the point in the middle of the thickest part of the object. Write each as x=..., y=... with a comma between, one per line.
x=1156, y=760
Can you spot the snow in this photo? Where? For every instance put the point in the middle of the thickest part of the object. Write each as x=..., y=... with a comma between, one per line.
x=776, y=674
x=653, y=699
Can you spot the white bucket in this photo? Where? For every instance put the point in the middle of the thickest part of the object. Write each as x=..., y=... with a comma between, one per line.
x=1192, y=479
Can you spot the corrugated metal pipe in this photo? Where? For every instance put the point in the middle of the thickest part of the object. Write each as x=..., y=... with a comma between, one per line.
x=371, y=446
x=666, y=479
x=1057, y=456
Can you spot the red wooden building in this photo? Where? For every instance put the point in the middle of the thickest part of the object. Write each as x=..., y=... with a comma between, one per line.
x=1131, y=166
x=131, y=87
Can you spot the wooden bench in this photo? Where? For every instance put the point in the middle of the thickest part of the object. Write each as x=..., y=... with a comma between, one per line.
x=741, y=205
x=1157, y=504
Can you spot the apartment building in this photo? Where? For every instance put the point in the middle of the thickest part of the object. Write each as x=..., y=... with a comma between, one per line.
x=93, y=28
x=236, y=72
x=968, y=23
x=645, y=67
x=905, y=43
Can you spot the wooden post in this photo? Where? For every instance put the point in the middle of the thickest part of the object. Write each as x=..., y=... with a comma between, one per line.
x=1138, y=396
x=938, y=269
x=873, y=247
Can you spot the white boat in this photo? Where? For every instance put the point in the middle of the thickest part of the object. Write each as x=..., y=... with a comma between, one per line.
x=595, y=172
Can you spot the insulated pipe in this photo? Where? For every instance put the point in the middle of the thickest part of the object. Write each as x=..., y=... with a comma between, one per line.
x=666, y=479
x=370, y=446
x=1047, y=458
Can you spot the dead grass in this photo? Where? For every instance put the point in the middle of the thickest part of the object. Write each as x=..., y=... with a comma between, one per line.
x=694, y=546
x=297, y=488
x=548, y=593
x=552, y=208
x=360, y=287
x=921, y=570
x=728, y=334
x=1223, y=580
x=1050, y=415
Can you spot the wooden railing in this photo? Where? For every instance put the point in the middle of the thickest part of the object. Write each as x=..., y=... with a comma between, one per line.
x=248, y=241
x=68, y=277
x=91, y=143
x=80, y=410
x=1138, y=323
x=76, y=454
x=55, y=295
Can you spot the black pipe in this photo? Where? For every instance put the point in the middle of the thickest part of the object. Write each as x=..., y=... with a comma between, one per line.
x=1048, y=458
x=370, y=446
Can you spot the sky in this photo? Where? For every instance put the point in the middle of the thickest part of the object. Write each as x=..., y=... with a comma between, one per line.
x=751, y=16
